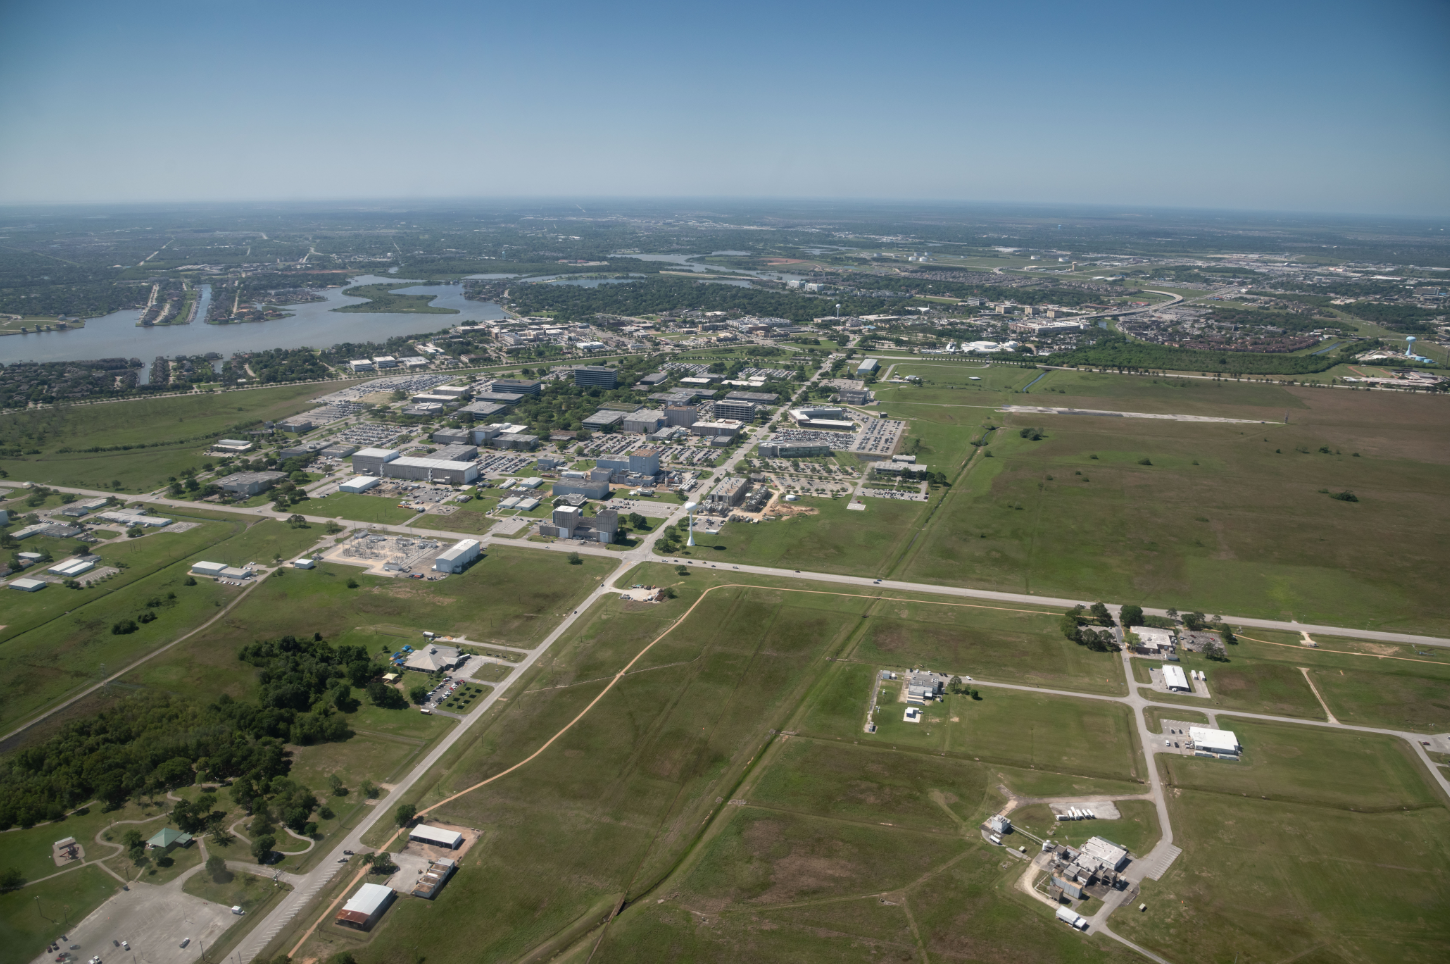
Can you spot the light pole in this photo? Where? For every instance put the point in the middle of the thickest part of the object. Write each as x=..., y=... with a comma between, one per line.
x=690, y=510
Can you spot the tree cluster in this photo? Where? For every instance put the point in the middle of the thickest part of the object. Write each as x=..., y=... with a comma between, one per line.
x=1078, y=625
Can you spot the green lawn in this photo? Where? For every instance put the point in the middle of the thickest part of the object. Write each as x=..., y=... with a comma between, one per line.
x=835, y=539
x=1268, y=880
x=32, y=917
x=1330, y=769
x=357, y=507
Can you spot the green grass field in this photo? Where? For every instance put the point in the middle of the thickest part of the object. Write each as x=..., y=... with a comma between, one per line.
x=1268, y=880
x=35, y=915
x=60, y=656
x=835, y=539
x=1137, y=829
x=171, y=429
x=1310, y=765
x=358, y=508
x=514, y=596
x=1219, y=521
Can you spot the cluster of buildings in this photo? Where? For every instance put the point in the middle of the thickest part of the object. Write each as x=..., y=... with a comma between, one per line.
x=1098, y=861
x=570, y=522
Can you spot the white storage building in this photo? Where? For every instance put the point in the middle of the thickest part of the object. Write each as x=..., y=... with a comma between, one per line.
x=1214, y=741
x=28, y=585
x=359, y=483
x=1174, y=679
x=436, y=836
x=73, y=567
x=208, y=568
x=461, y=554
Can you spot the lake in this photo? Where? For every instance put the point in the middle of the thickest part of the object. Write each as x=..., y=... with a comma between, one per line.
x=314, y=325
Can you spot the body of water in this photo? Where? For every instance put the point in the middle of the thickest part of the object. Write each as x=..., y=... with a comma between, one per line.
x=315, y=325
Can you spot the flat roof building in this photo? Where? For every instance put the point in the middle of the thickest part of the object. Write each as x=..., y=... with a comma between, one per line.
x=370, y=461
x=456, y=558
x=1175, y=680
x=716, y=429
x=520, y=385
x=366, y=906
x=644, y=421
x=433, y=879
x=603, y=419
x=436, y=836
x=1214, y=741
x=28, y=585
x=359, y=483
x=1114, y=856
x=249, y=483
x=595, y=376
x=232, y=446
x=430, y=470
x=867, y=366
x=736, y=408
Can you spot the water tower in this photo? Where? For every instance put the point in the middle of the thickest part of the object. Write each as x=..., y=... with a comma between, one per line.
x=1410, y=346
x=690, y=508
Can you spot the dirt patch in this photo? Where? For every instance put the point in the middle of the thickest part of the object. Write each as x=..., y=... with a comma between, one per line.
x=787, y=510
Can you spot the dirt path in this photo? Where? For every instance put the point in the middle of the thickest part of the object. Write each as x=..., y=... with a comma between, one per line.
x=1315, y=689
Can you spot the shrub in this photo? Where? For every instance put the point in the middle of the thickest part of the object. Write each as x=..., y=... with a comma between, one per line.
x=1145, y=461
x=124, y=627
x=1345, y=496
x=351, y=583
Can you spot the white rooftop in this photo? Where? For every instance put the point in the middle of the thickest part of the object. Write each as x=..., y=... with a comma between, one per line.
x=1218, y=741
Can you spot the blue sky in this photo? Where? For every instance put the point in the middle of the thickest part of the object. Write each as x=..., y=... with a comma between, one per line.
x=1289, y=106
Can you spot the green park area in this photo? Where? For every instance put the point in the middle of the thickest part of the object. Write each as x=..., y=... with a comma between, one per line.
x=1318, y=845
x=358, y=507
x=140, y=443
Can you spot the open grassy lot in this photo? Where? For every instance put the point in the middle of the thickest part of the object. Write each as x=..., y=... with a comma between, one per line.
x=75, y=649
x=988, y=641
x=176, y=432
x=1137, y=829
x=1366, y=683
x=137, y=559
x=1274, y=881
x=1089, y=738
x=513, y=596
x=953, y=383
x=473, y=522
x=1220, y=521
x=772, y=886
x=835, y=539
x=358, y=508
x=1161, y=394
x=608, y=808
x=1310, y=765
x=35, y=915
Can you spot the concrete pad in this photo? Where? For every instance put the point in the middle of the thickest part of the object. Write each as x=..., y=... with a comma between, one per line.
x=154, y=920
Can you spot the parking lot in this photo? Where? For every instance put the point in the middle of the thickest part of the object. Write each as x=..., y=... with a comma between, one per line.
x=154, y=921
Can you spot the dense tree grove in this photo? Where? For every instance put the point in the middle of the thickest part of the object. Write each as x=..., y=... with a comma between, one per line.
x=1116, y=351
x=156, y=741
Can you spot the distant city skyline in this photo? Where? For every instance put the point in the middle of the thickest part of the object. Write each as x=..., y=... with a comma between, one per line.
x=1327, y=107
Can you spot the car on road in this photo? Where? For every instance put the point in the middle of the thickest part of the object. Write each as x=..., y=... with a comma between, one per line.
x=1167, y=742
x=184, y=941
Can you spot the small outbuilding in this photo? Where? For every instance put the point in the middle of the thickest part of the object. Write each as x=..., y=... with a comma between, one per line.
x=1219, y=742
x=1175, y=680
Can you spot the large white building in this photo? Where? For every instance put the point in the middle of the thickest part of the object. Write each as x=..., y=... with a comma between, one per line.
x=1214, y=741
x=461, y=554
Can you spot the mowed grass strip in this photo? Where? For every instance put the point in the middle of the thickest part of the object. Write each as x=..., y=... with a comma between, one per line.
x=1319, y=766
x=1275, y=881
x=611, y=805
